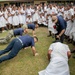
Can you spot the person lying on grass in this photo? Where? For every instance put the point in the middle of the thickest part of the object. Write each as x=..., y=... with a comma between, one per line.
x=58, y=55
x=18, y=31
x=16, y=45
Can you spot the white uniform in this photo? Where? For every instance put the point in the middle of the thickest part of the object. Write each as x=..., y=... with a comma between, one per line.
x=45, y=7
x=73, y=30
x=20, y=17
x=23, y=16
x=60, y=11
x=45, y=15
x=42, y=20
x=35, y=16
x=10, y=9
x=29, y=20
x=73, y=27
x=6, y=16
x=65, y=14
x=32, y=10
x=9, y=18
x=59, y=60
x=50, y=23
x=28, y=11
x=15, y=19
x=69, y=23
x=2, y=20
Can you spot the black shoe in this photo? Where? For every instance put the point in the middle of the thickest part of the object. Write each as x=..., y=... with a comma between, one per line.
x=73, y=42
x=53, y=36
x=74, y=57
x=0, y=31
x=73, y=51
x=48, y=35
x=0, y=61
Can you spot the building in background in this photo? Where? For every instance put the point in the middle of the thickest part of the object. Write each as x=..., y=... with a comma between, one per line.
x=54, y=1
x=18, y=2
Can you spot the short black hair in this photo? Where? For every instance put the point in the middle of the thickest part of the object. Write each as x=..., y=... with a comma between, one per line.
x=36, y=38
x=56, y=41
x=35, y=22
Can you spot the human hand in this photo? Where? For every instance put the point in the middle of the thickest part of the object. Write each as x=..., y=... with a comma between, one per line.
x=36, y=54
x=58, y=36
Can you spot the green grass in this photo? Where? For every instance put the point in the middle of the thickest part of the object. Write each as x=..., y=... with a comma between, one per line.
x=25, y=63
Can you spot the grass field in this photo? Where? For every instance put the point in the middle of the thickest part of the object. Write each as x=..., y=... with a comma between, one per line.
x=25, y=63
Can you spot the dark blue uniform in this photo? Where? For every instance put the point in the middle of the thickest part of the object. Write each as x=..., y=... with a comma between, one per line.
x=27, y=41
x=18, y=31
x=15, y=46
x=31, y=26
x=60, y=25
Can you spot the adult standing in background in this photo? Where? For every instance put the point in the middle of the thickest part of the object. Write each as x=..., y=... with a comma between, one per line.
x=2, y=20
x=51, y=11
x=60, y=26
x=69, y=22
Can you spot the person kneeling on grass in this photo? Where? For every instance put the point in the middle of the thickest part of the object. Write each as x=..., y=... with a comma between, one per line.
x=58, y=55
x=16, y=45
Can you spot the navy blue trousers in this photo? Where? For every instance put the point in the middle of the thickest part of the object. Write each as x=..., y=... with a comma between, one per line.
x=13, y=48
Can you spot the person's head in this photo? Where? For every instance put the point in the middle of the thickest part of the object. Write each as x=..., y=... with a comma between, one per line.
x=54, y=19
x=29, y=15
x=8, y=10
x=28, y=6
x=36, y=26
x=35, y=39
x=56, y=40
x=45, y=4
x=25, y=28
x=69, y=6
x=65, y=8
x=50, y=6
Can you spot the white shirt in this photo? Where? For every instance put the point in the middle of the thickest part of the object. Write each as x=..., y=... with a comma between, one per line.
x=28, y=11
x=59, y=50
x=28, y=20
x=52, y=11
x=65, y=14
x=70, y=13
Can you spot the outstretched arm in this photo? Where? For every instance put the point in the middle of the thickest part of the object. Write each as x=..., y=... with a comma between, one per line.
x=69, y=54
x=61, y=33
x=49, y=54
x=34, y=51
